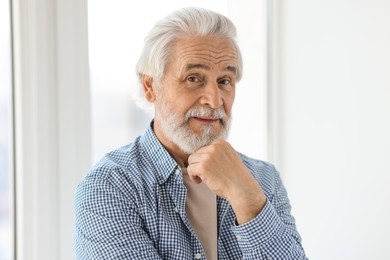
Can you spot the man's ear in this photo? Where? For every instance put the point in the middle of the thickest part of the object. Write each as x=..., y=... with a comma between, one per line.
x=148, y=86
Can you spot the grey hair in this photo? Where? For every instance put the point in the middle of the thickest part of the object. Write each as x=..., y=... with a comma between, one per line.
x=187, y=21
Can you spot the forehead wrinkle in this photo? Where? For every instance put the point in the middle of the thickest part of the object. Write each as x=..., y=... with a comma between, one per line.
x=207, y=50
x=206, y=59
x=204, y=55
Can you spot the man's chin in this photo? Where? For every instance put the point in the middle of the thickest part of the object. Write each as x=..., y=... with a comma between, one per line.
x=191, y=142
x=212, y=131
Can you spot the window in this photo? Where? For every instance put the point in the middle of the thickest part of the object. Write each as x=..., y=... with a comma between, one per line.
x=116, y=33
x=6, y=143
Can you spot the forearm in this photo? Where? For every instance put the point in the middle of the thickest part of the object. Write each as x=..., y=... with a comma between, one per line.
x=268, y=237
x=272, y=234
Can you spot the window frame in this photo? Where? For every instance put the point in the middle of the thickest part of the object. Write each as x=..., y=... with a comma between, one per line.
x=52, y=122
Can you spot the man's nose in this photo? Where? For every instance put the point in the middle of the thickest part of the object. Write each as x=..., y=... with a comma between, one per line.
x=212, y=96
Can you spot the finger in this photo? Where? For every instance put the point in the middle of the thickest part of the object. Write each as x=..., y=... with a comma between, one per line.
x=195, y=158
x=194, y=177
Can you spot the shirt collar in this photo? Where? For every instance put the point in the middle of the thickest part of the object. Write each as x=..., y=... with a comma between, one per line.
x=157, y=155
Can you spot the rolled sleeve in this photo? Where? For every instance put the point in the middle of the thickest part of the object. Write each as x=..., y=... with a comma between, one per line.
x=272, y=234
x=259, y=230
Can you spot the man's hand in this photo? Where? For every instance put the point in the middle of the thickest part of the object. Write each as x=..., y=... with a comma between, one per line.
x=219, y=166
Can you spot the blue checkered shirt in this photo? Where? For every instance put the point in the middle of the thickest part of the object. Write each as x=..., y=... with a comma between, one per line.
x=131, y=205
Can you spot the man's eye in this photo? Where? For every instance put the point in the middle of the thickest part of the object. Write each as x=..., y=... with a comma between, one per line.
x=193, y=79
x=224, y=82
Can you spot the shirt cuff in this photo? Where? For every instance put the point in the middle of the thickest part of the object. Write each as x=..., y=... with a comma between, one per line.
x=259, y=230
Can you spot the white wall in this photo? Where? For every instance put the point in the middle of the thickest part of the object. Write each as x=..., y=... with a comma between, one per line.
x=331, y=76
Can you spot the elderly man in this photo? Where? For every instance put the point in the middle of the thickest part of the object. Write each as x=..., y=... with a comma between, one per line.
x=181, y=191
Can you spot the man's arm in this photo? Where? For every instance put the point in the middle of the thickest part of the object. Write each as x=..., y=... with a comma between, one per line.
x=272, y=234
x=265, y=227
x=108, y=225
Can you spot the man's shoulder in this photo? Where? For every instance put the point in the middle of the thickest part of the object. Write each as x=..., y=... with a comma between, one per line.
x=125, y=162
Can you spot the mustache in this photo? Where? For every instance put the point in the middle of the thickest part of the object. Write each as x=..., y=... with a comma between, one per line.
x=218, y=113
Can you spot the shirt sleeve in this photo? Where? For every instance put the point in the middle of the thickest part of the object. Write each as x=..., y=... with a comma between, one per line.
x=272, y=234
x=108, y=225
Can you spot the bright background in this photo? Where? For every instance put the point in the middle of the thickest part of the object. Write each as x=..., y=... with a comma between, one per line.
x=332, y=75
x=314, y=101
x=6, y=149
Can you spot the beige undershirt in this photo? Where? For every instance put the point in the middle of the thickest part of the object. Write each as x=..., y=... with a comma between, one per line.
x=201, y=209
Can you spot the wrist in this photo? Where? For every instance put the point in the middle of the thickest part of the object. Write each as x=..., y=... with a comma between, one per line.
x=248, y=209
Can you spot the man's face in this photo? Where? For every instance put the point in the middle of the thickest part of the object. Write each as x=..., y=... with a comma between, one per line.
x=194, y=101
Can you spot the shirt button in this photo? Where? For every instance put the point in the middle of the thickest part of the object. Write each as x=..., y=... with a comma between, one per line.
x=198, y=256
x=239, y=237
x=176, y=210
x=177, y=172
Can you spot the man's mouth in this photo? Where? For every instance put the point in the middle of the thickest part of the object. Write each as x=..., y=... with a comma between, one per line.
x=206, y=119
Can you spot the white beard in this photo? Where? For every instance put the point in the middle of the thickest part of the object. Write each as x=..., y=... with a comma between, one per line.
x=177, y=129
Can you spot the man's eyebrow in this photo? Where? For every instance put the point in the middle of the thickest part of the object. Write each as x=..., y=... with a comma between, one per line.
x=231, y=69
x=197, y=66
x=206, y=67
